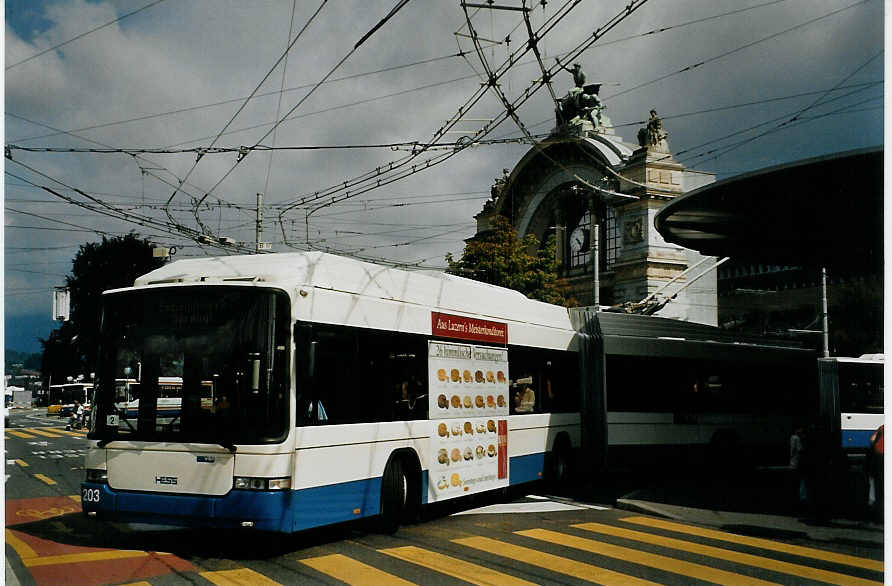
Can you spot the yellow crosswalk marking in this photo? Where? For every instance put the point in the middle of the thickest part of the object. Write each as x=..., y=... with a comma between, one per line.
x=75, y=497
x=554, y=563
x=350, y=571
x=143, y=583
x=726, y=554
x=661, y=562
x=808, y=552
x=472, y=573
x=45, y=479
x=239, y=577
x=21, y=463
x=20, y=434
x=41, y=432
x=75, y=558
x=67, y=432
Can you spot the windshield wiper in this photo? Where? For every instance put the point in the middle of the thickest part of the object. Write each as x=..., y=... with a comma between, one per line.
x=228, y=445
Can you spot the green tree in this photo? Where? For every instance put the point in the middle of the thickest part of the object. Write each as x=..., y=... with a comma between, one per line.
x=499, y=257
x=98, y=266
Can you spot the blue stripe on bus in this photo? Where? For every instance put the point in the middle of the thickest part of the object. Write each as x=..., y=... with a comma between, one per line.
x=284, y=511
x=856, y=438
x=526, y=468
x=324, y=505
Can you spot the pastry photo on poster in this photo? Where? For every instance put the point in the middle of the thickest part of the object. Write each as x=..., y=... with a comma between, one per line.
x=465, y=380
x=466, y=457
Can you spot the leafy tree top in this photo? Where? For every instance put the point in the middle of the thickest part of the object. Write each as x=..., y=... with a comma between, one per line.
x=499, y=257
x=98, y=266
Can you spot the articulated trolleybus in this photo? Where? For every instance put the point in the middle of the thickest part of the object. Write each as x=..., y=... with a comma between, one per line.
x=318, y=389
x=314, y=389
x=852, y=398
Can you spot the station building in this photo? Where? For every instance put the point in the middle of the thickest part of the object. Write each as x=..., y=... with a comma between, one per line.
x=584, y=172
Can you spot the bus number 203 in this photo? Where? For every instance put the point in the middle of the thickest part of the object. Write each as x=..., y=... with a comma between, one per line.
x=90, y=495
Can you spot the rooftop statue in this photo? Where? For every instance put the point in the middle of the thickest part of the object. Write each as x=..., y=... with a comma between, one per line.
x=653, y=136
x=582, y=100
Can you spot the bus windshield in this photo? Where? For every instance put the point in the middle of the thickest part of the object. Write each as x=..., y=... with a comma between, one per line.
x=861, y=387
x=194, y=364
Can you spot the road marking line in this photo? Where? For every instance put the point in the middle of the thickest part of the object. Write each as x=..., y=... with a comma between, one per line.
x=75, y=497
x=22, y=463
x=20, y=434
x=41, y=432
x=23, y=550
x=726, y=554
x=350, y=571
x=444, y=564
x=239, y=577
x=551, y=562
x=45, y=479
x=143, y=583
x=75, y=558
x=809, y=552
x=643, y=558
x=67, y=432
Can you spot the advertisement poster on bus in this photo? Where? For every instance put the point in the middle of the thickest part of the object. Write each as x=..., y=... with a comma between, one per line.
x=468, y=408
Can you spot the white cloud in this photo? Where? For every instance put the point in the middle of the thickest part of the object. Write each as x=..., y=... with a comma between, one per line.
x=182, y=54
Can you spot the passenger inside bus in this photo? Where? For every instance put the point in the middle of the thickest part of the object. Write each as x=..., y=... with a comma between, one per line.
x=524, y=396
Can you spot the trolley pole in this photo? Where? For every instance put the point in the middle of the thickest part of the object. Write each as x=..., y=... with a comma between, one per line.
x=595, y=252
x=259, y=230
x=825, y=327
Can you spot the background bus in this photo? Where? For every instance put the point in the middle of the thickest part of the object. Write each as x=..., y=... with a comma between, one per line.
x=664, y=393
x=342, y=390
x=61, y=398
x=852, y=398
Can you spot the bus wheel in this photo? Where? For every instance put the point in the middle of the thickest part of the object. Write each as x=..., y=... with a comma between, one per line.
x=560, y=470
x=394, y=496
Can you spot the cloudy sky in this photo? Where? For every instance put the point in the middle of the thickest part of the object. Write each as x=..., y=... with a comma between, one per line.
x=726, y=76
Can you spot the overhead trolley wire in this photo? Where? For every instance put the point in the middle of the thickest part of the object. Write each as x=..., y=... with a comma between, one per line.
x=144, y=169
x=242, y=107
x=349, y=54
x=819, y=102
x=398, y=169
x=693, y=66
x=239, y=99
x=82, y=35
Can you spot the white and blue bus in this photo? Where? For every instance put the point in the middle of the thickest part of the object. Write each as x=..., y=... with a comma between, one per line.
x=852, y=398
x=315, y=389
x=318, y=389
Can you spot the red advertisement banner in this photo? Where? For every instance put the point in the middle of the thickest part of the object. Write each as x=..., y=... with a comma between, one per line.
x=468, y=328
x=503, y=448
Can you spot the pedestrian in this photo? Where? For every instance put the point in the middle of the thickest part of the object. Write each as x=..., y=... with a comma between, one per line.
x=797, y=462
x=76, y=412
x=874, y=469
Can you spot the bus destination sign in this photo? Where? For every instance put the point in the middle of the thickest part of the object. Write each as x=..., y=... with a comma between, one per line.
x=468, y=328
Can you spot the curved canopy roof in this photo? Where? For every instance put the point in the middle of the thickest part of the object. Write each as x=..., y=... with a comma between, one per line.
x=825, y=211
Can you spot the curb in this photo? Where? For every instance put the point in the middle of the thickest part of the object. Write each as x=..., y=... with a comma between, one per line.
x=646, y=508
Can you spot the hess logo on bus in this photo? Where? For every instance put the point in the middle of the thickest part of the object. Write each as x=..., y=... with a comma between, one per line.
x=165, y=480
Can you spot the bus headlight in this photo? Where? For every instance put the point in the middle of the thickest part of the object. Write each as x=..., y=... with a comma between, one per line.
x=251, y=483
x=97, y=476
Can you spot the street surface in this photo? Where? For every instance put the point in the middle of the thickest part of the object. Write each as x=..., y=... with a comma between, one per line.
x=534, y=538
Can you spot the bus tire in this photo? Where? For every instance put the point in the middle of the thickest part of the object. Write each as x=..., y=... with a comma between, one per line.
x=560, y=468
x=724, y=450
x=394, y=496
